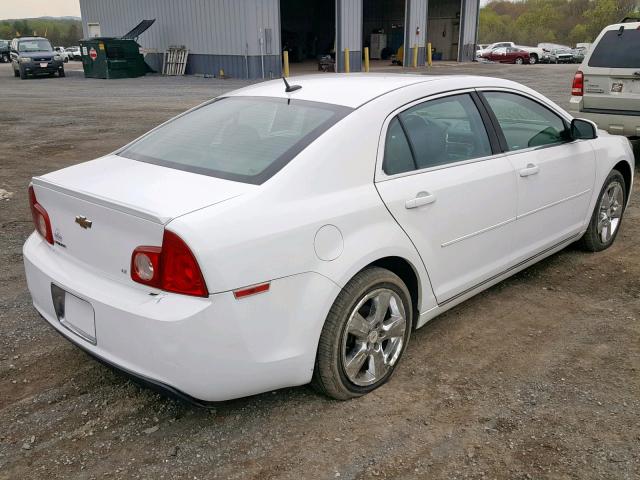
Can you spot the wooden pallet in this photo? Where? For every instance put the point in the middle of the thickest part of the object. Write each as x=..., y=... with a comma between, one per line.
x=174, y=61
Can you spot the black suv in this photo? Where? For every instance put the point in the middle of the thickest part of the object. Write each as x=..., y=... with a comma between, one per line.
x=34, y=56
x=4, y=51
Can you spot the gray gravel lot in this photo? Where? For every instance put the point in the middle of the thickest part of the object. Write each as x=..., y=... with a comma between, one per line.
x=538, y=377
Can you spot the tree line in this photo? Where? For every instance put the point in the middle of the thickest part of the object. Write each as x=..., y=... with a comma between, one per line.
x=567, y=22
x=63, y=32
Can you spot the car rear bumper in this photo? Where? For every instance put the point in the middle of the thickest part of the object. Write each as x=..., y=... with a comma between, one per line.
x=614, y=122
x=201, y=349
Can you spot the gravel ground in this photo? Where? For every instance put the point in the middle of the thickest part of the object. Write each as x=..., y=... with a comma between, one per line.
x=538, y=377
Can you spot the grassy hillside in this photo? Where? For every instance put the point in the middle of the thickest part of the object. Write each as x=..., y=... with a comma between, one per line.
x=529, y=22
x=60, y=31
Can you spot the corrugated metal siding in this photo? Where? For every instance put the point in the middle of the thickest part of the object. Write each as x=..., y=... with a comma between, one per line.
x=349, y=33
x=219, y=27
x=468, y=30
x=350, y=24
x=415, y=30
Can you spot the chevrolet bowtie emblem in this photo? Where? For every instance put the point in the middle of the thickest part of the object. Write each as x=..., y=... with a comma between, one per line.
x=83, y=222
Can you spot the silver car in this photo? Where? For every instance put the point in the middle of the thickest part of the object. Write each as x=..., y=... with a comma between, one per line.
x=606, y=88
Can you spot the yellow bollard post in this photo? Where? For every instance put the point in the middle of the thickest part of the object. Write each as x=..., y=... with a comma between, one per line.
x=415, y=56
x=366, y=59
x=346, y=60
x=285, y=67
x=429, y=54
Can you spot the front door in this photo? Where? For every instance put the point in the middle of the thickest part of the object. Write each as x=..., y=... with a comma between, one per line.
x=555, y=175
x=453, y=196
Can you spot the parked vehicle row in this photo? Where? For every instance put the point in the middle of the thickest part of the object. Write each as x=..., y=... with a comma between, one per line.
x=508, y=52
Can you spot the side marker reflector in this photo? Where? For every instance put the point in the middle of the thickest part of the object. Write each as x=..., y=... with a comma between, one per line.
x=253, y=290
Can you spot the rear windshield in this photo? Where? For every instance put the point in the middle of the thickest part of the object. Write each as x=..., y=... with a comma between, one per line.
x=246, y=139
x=617, y=50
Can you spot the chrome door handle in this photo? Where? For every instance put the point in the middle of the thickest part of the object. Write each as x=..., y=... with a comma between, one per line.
x=530, y=169
x=422, y=198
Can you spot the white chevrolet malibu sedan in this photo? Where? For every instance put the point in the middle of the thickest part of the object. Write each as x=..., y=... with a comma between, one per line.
x=280, y=235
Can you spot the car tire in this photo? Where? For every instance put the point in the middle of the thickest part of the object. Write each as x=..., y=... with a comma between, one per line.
x=519, y=61
x=16, y=73
x=351, y=359
x=66, y=60
x=533, y=59
x=23, y=74
x=61, y=73
x=607, y=214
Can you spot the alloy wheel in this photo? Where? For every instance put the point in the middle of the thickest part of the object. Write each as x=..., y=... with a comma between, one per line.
x=374, y=337
x=610, y=211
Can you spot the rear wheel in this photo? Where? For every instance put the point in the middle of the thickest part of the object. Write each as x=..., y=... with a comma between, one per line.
x=519, y=61
x=16, y=73
x=607, y=215
x=23, y=74
x=533, y=59
x=364, y=336
x=61, y=73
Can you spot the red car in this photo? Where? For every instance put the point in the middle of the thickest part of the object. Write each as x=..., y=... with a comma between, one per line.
x=507, y=55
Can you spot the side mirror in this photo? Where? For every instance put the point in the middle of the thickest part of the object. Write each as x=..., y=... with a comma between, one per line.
x=582, y=129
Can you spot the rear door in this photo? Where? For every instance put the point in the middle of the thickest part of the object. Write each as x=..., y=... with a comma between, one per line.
x=442, y=181
x=612, y=74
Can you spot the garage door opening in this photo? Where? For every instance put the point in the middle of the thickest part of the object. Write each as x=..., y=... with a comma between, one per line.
x=443, y=29
x=308, y=32
x=383, y=31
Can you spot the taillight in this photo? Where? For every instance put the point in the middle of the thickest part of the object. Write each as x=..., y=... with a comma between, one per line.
x=577, y=88
x=40, y=217
x=171, y=267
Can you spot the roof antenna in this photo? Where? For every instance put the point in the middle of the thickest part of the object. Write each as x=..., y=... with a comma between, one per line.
x=290, y=88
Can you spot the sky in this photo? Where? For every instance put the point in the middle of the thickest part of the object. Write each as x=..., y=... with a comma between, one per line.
x=39, y=8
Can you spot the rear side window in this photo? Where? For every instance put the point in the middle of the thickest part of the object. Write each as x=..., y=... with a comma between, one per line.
x=397, y=153
x=617, y=50
x=246, y=139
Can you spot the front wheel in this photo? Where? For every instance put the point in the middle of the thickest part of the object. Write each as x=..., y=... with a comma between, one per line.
x=519, y=61
x=364, y=336
x=23, y=74
x=533, y=59
x=607, y=215
x=61, y=73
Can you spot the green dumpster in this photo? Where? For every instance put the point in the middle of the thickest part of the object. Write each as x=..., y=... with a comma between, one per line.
x=110, y=57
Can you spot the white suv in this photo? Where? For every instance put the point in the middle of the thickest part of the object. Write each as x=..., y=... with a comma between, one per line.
x=606, y=88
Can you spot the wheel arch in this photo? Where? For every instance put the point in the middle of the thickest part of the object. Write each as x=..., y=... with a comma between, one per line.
x=625, y=169
x=408, y=274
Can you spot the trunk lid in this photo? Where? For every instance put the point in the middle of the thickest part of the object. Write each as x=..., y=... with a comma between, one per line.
x=101, y=210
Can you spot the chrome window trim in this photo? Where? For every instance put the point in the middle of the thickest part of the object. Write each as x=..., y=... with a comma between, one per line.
x=381, y=176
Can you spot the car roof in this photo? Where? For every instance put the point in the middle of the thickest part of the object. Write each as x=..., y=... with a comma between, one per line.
x=627, y=25
x=356, y=89
x=31, y=38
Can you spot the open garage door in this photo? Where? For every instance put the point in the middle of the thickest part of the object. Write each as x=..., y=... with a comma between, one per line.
x=383, y=30
x=308, y=30
x=443, y=28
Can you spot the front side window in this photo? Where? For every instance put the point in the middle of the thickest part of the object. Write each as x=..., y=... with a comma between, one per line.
x=34, y=46
x=246, y=139
x=524, y=122
x=439, y=132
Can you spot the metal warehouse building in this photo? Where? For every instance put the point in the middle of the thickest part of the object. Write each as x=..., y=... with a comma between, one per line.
x=246, y=37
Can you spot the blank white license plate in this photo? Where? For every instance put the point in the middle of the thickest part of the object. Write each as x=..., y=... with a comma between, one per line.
x=44, y=65
x=79, y=317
